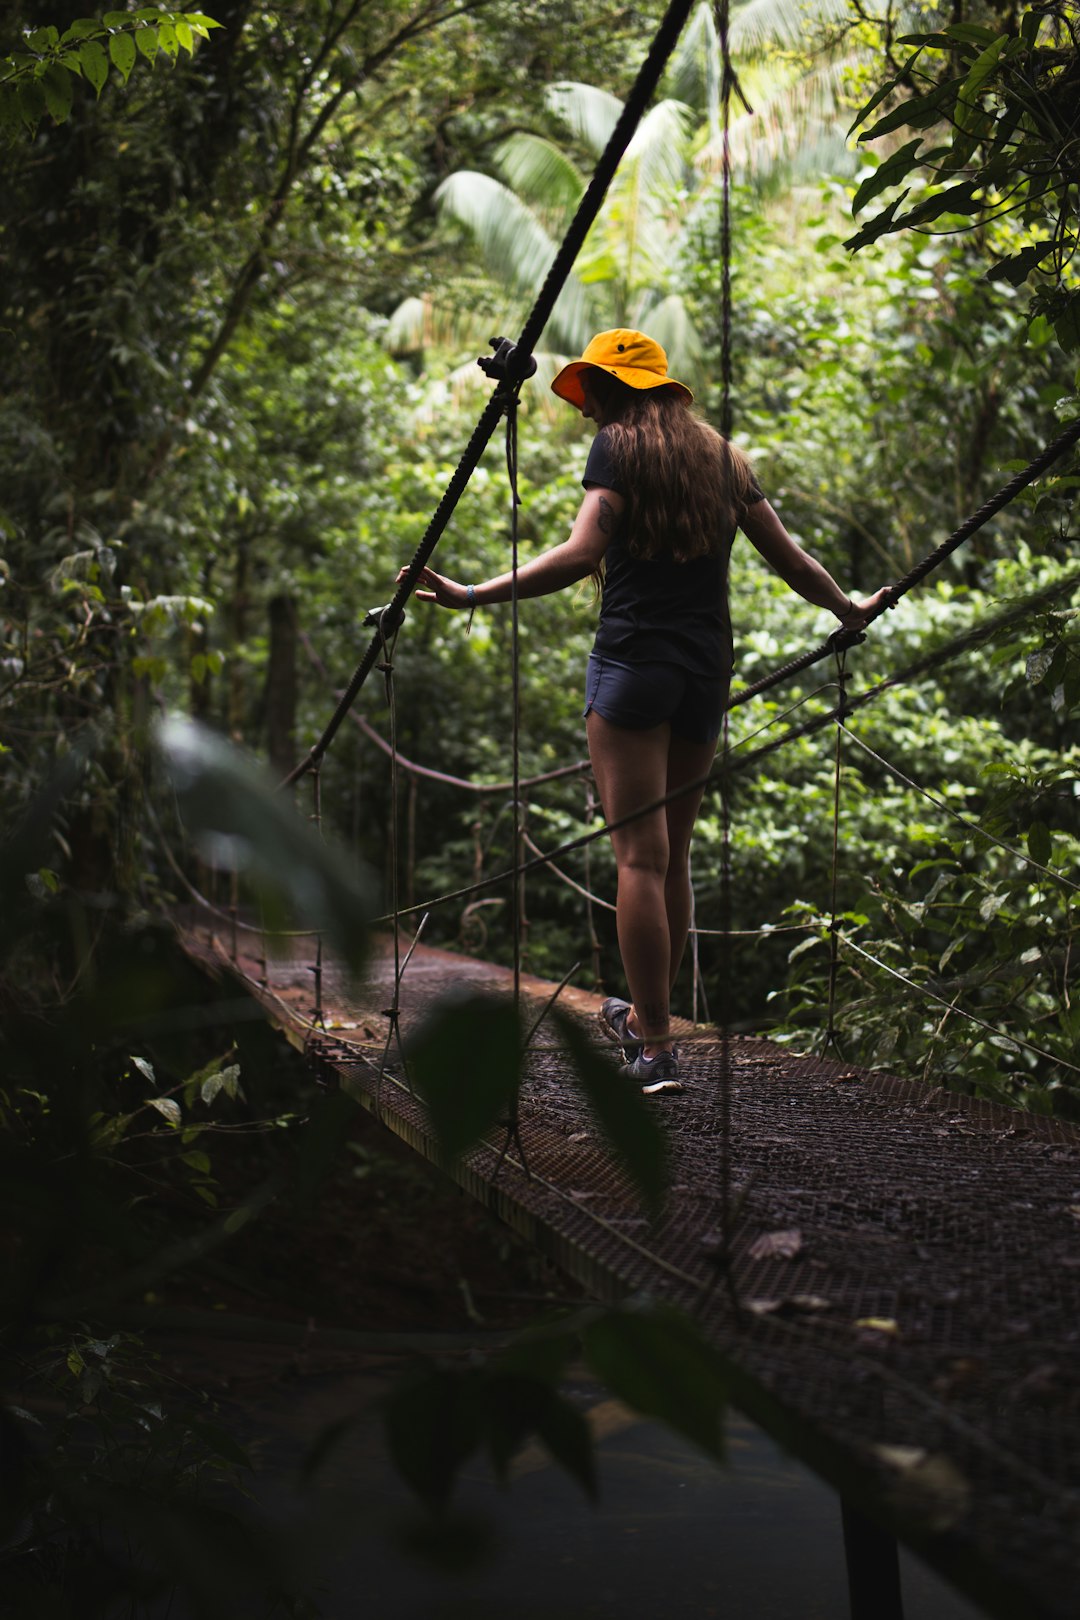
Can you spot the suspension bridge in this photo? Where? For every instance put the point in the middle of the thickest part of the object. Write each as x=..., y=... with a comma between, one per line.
x=891, y=1271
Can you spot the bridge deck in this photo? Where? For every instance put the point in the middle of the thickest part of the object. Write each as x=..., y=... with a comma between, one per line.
x=919, y=1350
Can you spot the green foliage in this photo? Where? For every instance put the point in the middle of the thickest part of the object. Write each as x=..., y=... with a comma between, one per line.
x=1004, y=91
x=466, y=1060
x=42, y=77
x=131, y=1453
x=466, y=1063
x=650, y=1355
x=244, y=825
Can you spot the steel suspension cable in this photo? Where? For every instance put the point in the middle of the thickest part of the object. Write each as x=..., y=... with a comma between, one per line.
x=1057, y=447
x=727, y=1211
x=519, y=355
x=918, y=667
x=965, y=821
x=959, y=1012
x=515, y=678
x=832, y=1035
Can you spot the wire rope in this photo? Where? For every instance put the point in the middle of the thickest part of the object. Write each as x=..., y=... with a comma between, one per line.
x=957, y=1011
x=965, y=821
x=919, y=667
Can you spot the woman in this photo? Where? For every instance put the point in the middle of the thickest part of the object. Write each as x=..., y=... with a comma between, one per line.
x=664, y=494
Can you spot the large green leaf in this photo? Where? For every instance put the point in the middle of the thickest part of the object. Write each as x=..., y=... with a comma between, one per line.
x=567, y=1436
x=919, y=112
x=627, y=1121
x=466, y=1062
x=95, y=63
x=240, y=819
x=958, y=199
x=656, y=1360
x=517, y=1406
x=59, y=86
x=880, y=225
x=1018, y=266
x=122, y=51
x=434, y=1421
x=895, y=167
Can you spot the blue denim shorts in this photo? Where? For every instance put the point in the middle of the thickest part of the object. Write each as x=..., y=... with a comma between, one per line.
x=638, y=696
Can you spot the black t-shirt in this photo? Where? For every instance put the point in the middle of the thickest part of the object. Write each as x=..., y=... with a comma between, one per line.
x=658, y=610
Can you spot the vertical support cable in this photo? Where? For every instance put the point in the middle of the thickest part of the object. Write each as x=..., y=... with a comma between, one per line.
x=699, y=1011
x=511, y=405
x=832, y=1037
x=317, y=970
x=726, y=965
x=513, y=1127
x=410, y=853
x=393, y=1012
x=590, y=921
x=726, y=85
x=728, y=1212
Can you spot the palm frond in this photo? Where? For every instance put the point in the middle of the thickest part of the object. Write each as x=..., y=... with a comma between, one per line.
x=516, y=249
x=658, y=149
x=669, y=321
x=694, y=73
x=515, y=246
x=406, y=330
x=791, y=115
x=539, y=171
x=420, y=324
x=759, y=24
x=589, y=113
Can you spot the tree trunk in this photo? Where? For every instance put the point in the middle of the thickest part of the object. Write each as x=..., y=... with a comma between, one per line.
x=238, y=618
x=281, y=682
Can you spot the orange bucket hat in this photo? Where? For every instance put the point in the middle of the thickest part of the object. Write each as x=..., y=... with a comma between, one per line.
x=631, y=356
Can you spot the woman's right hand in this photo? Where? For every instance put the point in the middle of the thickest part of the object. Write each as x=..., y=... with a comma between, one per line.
x=446, y=592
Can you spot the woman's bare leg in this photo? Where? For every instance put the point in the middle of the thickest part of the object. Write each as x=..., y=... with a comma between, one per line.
x=631, y=770
x=687, y=762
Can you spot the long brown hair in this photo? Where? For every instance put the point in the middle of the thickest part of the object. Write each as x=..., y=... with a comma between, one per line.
x=686, y=487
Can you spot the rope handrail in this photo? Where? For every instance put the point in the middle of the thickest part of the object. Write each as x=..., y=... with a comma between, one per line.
x=918, y=667
x=765, y=932
x=641, y=92
x=1057, y=447
x=1040, y=464
x=935, y=659
x=427, y=773
x=921, y=666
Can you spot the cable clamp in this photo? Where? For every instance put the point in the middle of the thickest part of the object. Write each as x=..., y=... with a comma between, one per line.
x=378, y=618
x=509, y=363
x=840, y=639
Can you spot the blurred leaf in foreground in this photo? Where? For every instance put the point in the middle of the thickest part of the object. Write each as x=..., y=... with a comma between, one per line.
x=241, y=821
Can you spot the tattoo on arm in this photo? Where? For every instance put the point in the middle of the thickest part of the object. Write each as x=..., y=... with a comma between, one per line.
x=608, y=516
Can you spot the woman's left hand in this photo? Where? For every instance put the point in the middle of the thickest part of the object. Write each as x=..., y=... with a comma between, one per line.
x=446, y=592
x=859, y=614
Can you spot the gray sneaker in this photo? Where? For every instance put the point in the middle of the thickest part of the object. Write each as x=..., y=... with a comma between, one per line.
x=615, y=1021
x=655, y=1075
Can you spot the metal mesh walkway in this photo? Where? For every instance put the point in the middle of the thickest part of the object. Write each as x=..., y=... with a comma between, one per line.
x=913, y=1333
